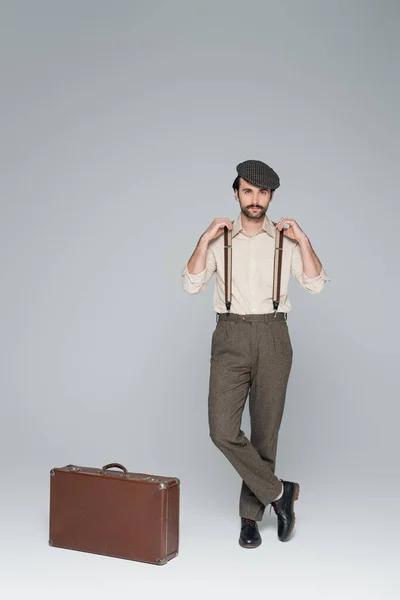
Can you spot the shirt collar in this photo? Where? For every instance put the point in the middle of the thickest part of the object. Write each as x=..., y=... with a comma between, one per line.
x=268, y=226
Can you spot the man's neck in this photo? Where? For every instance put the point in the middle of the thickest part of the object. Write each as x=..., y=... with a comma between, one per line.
x=251, y=226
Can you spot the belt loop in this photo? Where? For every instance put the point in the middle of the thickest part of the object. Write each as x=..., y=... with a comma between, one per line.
x=285, y=316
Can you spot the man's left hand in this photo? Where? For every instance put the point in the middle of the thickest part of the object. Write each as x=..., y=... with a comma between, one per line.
x=294, y=232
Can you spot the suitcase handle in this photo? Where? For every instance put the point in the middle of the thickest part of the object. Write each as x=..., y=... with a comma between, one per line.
x=104, y=469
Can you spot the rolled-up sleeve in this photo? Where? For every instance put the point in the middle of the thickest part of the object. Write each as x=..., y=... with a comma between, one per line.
x=195, y=283
x=313, y=285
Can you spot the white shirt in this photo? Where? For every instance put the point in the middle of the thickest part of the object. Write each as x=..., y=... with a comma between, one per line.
x=252, y=271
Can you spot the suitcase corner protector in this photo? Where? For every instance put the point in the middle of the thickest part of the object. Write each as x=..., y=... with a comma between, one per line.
x=161, y=561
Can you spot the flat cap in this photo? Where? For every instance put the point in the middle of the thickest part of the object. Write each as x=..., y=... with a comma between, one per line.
x=258, y=173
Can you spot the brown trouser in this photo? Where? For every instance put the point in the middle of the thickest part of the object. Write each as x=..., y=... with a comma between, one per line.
x=250, y=353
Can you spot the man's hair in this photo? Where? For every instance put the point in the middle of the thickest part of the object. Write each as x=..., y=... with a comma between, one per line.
x=236, y=184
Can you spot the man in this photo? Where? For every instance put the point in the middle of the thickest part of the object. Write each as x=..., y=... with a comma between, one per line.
x=251, y=351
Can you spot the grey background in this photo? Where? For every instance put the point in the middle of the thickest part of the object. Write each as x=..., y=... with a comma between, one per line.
x=121, y=126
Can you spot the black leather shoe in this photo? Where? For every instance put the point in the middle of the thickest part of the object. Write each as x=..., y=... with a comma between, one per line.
x=284, y=509
x=249, y=535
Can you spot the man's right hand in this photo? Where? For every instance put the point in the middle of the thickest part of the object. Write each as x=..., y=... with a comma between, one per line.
x=216, y=228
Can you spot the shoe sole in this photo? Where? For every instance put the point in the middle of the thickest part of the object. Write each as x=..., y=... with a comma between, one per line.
x=295, y=497
x=248, y=545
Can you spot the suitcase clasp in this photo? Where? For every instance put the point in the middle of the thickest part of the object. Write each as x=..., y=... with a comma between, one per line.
x=161, y=484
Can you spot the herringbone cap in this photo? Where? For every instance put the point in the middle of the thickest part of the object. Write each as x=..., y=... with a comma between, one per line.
x=258, y=173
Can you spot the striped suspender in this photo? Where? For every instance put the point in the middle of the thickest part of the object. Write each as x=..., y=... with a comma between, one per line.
x=277, y=267
x=276, y=294
x=228, y=267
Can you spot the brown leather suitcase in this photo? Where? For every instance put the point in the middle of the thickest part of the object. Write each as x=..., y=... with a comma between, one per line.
x=120, y=514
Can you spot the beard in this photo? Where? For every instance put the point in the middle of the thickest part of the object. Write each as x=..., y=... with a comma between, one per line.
x=251, y=213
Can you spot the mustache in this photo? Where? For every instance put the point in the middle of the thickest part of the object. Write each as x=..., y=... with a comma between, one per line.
x=254, y=206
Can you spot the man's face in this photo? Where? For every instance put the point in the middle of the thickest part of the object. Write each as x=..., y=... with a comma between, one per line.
x=253, y=200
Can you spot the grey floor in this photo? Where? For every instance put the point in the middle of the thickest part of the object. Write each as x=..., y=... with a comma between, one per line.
x=343, y=547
